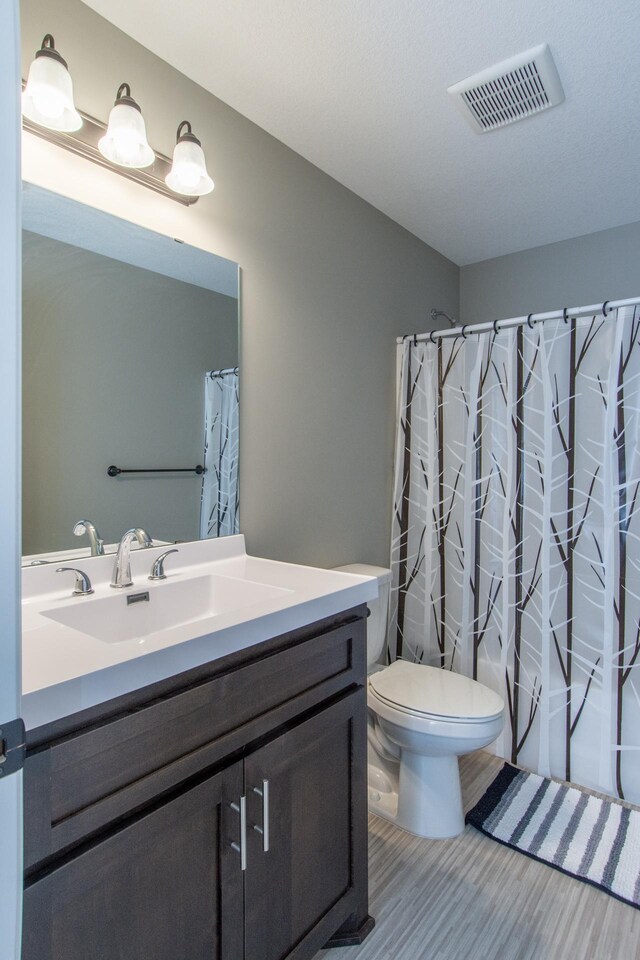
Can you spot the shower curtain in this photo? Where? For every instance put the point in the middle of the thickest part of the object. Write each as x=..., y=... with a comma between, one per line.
x=516, y=534
x=219, y=498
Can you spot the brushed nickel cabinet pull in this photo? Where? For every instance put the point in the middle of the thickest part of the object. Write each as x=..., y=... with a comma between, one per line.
x=241, y=848
x=264, y=829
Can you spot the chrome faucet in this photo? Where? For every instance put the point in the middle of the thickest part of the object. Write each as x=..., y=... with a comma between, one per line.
x=97, y=545
x=157, y=570
x=122, y=567
x=83, y=585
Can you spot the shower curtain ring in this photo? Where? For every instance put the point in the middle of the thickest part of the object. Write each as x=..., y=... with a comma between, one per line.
x=529, y=324
x=431, y=337
x=604, y=307
x=496, y=328
x=565, y=314
x=415, y=339
x=463, y=333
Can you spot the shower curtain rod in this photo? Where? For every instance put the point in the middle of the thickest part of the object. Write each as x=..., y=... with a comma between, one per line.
x=218, y=374
x=496, y=325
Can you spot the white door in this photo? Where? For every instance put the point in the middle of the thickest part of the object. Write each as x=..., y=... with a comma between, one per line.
x=10, y=783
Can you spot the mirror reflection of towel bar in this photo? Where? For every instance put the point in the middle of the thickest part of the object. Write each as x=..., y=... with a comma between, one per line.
x=114, y=471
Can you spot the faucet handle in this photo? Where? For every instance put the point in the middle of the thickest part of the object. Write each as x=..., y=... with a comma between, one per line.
x=83, y=585
x=157, y=570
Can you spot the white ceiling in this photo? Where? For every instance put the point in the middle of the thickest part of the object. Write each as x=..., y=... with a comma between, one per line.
x=358, y=87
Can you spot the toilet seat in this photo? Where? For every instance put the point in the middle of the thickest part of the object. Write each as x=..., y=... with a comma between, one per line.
x=432, y=694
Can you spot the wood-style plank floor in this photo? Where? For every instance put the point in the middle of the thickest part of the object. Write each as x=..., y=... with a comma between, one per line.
x=472, y=899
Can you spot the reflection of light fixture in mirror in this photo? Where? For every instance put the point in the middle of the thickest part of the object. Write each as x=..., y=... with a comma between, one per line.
x=125, y=141
x=188, y=174
x=48, y=96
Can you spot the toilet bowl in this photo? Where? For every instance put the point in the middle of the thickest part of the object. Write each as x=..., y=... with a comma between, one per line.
x=432, y=716
x=421, y=719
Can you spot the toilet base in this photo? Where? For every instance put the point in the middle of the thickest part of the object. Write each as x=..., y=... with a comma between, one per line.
x=428, y=802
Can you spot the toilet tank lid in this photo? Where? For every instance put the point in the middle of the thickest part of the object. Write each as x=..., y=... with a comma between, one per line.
x=382, y=574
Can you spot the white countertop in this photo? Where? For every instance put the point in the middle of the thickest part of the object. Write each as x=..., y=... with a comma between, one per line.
x=65, y=670
x=78, y=553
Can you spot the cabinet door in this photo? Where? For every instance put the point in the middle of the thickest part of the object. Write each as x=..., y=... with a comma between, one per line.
x=313, y=874
x=166, y=886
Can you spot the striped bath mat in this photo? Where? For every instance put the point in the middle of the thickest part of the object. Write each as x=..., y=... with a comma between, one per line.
x=594, y=840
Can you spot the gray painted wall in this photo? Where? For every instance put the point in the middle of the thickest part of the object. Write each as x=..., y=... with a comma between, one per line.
x=328, y=282
x=114, y=359
x=590, y=269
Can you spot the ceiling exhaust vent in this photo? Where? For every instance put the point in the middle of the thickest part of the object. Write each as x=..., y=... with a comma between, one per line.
x=509, y=91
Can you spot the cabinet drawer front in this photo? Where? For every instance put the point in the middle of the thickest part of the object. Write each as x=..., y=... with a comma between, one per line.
x=88, y=777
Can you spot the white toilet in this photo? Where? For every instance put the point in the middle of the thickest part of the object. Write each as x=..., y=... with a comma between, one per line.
x=421, y=719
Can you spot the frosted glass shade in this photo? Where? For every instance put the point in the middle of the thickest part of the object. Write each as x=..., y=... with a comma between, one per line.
x=48, y=96
x=125, y=142
x=188, y=175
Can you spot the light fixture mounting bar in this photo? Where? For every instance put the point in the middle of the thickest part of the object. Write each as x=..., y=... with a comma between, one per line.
x=84, y=143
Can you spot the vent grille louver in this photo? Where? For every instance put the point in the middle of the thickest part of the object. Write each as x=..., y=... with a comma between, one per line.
x=510, y=91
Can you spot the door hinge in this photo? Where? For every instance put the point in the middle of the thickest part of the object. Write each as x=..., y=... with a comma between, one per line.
x=12, y=747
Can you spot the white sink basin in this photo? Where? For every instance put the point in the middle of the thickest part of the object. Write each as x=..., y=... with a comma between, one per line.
x=114, y=619
x=217, y=600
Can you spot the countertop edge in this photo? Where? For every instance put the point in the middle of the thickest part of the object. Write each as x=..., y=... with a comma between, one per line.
x=50, y=704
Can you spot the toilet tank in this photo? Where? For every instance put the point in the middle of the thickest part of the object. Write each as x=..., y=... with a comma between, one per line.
x=377, y=622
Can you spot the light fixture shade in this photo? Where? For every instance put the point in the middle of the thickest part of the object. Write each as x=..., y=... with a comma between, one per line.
x=48, y=95
x=188, y=175
x=125, y=142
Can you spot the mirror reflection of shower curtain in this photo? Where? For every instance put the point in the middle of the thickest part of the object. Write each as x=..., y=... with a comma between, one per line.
x=219, y=500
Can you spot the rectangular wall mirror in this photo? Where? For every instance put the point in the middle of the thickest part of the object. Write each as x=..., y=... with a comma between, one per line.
x=130, y=362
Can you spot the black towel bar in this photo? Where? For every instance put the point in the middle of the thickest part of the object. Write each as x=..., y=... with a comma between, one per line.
x=114, y=471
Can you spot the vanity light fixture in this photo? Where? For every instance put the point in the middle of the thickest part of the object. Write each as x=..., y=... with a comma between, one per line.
x=125, y=142
x=48, y=111
x=188, y=174
x=47, y=99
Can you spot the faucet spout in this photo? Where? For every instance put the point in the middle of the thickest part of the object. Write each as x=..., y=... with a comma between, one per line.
x=97, y=544
x=143, y=537
x=122, y=566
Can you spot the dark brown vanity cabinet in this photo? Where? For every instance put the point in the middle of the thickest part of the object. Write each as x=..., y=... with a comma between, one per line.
x=307, y=873
x=250, y=846
x=165, y=886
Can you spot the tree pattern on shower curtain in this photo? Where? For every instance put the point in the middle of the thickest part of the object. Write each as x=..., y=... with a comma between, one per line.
x=219, y=501
x=516, y=534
